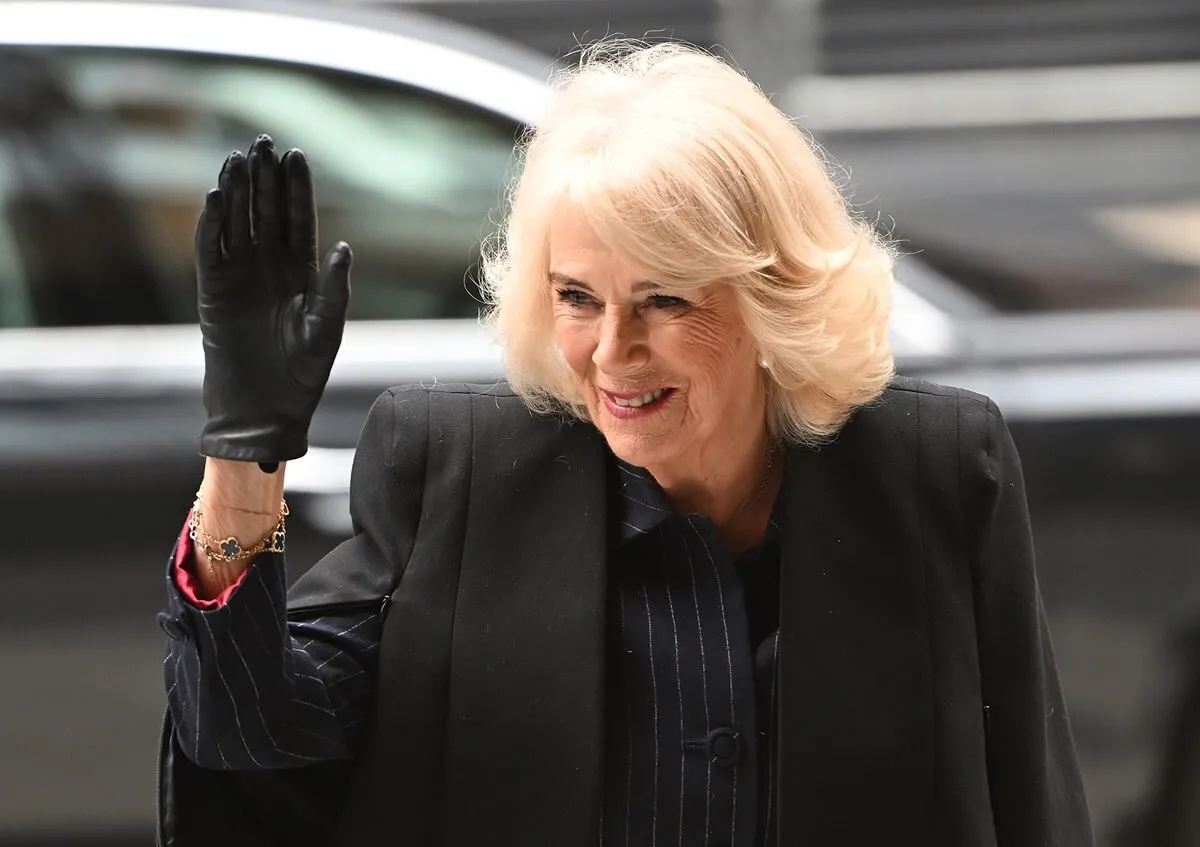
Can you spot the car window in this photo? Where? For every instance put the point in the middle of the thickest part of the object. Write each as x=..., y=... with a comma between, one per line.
x=105, y=157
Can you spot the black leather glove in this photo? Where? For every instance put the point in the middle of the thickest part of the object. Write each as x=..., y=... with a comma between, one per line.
x=272, y=320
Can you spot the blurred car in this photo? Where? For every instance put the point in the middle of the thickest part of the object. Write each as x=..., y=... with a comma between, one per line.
x=114, y=117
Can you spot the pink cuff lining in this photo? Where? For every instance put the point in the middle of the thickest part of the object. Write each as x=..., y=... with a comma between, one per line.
x=185, y=580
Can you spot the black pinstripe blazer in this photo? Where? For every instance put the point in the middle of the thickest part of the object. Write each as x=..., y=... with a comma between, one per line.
x=918, y=698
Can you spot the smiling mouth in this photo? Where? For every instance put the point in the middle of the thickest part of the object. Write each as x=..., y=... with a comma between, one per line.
x=641, y=400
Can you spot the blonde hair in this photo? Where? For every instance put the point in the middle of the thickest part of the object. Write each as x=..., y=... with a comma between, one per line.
x=686, y=170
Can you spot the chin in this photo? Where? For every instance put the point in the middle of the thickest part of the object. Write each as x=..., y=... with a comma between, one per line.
x=636, y=449
x=626, y=449
x=633, y=441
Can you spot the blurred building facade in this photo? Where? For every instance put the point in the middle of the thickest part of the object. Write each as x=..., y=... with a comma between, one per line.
x=869, y=36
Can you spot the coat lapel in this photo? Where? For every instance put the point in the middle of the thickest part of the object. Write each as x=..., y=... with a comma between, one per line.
x=527, y=667
x=856, y=722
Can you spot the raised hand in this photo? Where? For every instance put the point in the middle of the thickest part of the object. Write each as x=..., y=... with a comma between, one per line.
x=271, y=317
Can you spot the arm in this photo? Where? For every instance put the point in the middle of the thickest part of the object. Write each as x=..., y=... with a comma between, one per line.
x=1036, y=788
x=251, y=688
x=300, y=804
x=272, y=318
x=247, y=691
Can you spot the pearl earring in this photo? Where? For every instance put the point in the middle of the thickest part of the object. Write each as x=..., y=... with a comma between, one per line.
x=764, y=362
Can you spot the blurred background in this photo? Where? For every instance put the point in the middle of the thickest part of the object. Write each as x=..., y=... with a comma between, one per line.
x=1038, y=160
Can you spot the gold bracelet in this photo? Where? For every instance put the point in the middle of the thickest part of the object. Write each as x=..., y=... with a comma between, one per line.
x=230, y=549
x=225, y=508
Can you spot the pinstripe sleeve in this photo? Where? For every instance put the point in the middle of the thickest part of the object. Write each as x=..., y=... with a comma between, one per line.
x=251, y=689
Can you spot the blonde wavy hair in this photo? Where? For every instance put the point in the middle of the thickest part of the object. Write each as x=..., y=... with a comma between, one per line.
x=687, y=171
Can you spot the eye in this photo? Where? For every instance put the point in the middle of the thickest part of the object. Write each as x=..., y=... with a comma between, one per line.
x=666, y=301
x=574, y=297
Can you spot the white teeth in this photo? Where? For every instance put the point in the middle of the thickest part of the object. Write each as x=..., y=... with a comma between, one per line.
x=640, y=401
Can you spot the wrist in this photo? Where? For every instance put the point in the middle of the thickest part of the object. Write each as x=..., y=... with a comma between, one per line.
x=241, y=488
x=229, y=547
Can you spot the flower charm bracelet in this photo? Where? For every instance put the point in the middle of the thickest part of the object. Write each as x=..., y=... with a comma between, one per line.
x=230, y=549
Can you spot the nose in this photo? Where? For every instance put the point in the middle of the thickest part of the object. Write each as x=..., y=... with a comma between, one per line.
x=622, y=343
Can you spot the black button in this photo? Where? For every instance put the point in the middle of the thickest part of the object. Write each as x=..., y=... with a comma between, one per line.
x=724, y=745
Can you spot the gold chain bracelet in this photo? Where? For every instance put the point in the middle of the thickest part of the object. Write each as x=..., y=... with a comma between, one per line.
x=230, y=549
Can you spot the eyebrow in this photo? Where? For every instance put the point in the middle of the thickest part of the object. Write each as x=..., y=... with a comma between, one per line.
x=562, y=279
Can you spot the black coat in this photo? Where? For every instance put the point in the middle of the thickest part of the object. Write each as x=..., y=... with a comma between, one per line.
x=919, y=701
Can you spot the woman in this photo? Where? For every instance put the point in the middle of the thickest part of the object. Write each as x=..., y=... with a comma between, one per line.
x=702, y=572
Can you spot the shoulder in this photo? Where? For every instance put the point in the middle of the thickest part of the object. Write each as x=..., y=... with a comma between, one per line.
x=941, y=414
x=905, y=393
x=953, y=431
x=450, y=393
x=467, y=413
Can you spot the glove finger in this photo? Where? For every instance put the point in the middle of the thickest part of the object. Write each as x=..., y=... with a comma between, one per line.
x=300, y=207
x=329, y=293
x=235, y=189
x=209, y=231
x=265, y=200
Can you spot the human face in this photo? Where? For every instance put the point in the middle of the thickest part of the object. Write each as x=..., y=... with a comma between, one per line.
x=669, y=376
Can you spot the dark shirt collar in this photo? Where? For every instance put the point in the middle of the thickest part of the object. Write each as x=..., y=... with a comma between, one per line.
x=641, y=505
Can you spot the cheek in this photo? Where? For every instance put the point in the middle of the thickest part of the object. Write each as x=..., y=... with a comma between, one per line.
x=577, y=341
x=711, y=352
